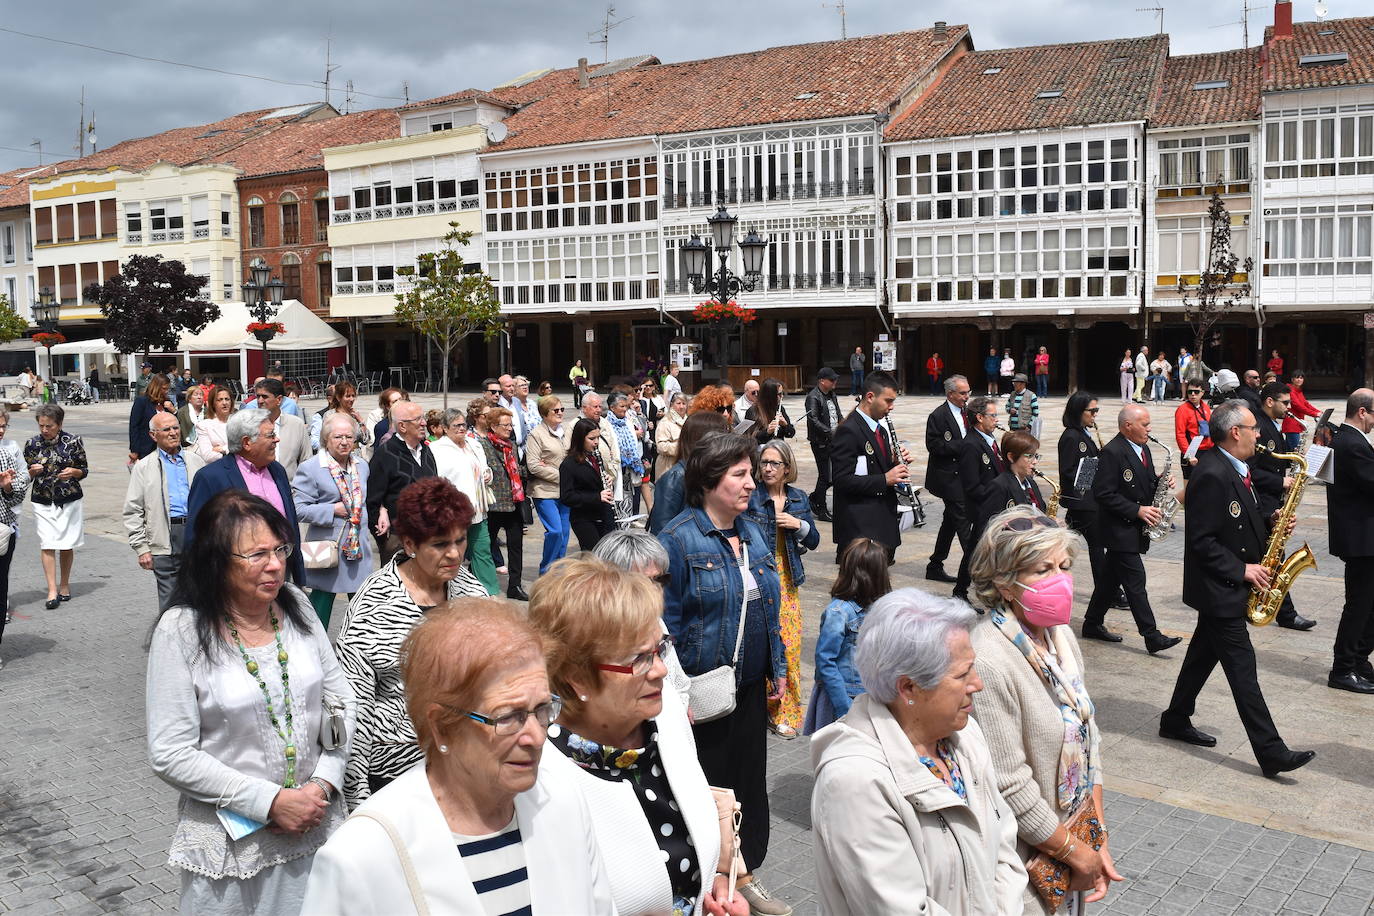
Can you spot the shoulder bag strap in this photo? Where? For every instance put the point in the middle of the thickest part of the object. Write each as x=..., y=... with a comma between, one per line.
x=417, y=896
x=744, y=600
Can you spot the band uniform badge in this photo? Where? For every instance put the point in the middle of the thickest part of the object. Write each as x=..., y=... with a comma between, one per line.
x=948, y=437
x=868, y=447
x=1010, y=503
x=1234, y=509
x=1269, y=445
x=986, y=459
x=1082, y=446
x=1127, y=475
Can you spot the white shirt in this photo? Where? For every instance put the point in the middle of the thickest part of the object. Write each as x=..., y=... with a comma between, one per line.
x=958, y=417
x=1008, y=366
x=671, y=386
x=742, y=405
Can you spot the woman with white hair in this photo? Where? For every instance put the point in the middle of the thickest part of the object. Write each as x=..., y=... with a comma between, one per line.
x=906, y=811
x=1035, y=710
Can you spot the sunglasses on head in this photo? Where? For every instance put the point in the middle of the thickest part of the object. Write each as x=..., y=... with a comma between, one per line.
x=1023, y=523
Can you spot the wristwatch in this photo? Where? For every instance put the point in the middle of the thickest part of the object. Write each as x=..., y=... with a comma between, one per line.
x=328, y=790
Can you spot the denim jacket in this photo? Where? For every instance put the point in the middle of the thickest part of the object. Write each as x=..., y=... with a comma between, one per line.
x=669, y=499
x=797, y=505
x=701, y=603
x=835, y=671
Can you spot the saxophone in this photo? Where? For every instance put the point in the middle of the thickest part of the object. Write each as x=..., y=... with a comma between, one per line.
x=1052, y=507
x=1264, y=602
x=1164, y=500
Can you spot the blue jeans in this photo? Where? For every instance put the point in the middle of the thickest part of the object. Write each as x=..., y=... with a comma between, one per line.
x=1161, y=381
x=1042, y=385
x=553, y=515
x=856, y=382
x=1291, y=441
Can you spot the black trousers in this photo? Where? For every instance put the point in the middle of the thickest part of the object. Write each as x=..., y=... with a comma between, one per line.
x=822, y=455
x=590, y=531
x=1086, y=524
x=1225, y=640
x=5, y=560
x=954, y=523
x=1126, y=572
x=1355, y=632
x=734, y=755
x=512, y=524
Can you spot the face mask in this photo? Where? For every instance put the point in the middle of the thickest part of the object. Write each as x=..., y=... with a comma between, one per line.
x=1049, y=604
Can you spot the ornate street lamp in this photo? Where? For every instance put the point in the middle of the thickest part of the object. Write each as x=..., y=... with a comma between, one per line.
x=46, y=312
x=722, y=285
x=262, y=294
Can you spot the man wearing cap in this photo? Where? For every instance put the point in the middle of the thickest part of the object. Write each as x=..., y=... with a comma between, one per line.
x=1023, y=407
x=822, y=416
x=145, y=375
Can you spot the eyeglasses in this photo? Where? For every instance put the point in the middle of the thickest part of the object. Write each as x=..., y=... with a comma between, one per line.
x=508, y=723
x=724, y=408
x=1251, y=426
x=1094, y=410
x=1026, y=524
x=662, y=580
x=493, y=391
x=770, y=463
x=260, y=557
x=557, y=409
x=641, y=663
x=458, y=426
x=1194, y=391
x=342, y=437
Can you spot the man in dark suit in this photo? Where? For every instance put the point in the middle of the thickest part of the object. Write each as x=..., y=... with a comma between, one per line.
x=1016, y=485
x=1226, y=533
x=867, y=464
x=822, y=417
x=1124, y=490
x=396, y=463
x=1249, y=391
x=946, y=427
x=980, y=461
x=250, y=466
x=1350, y=527
x=1273, y=478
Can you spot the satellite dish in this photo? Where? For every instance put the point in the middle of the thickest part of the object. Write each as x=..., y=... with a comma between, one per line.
x=496, y=132
x=1320, y=9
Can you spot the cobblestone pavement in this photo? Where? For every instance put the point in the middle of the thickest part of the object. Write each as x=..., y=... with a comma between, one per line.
x=84, y=825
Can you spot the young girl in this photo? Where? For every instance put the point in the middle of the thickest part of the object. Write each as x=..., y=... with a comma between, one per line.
x=862, y=580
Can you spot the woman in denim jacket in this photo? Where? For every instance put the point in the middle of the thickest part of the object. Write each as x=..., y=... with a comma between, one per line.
x=780, y=509
x=720, y=565
x=862, y=580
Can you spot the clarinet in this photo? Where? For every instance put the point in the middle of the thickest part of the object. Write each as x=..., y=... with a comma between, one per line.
x=906, y=496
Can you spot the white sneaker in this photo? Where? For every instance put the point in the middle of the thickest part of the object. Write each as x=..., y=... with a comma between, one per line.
x=761, y=902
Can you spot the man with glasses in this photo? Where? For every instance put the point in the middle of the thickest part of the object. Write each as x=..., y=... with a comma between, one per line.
x=594, y=409
x=1273, y=477
x=980, y=461
x=1249, y=391
x=1350, y=527
x=491, y=390
x=748, y=399
x=293, y=439
x=946, y=429
x=155, y=504
x=1191, y=420
x=251, y=439
x=396, y=464
x=1222, y=561
x=1124, y=489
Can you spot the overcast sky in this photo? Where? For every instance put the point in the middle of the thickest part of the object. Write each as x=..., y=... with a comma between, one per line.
x=441, y=46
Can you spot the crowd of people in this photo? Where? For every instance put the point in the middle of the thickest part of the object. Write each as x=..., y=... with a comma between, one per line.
x=602, y=746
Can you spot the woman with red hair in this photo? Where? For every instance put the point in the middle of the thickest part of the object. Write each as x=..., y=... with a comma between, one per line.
x=432, y=519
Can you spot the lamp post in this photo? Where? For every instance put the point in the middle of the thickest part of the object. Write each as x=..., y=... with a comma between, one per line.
x=262, y=294
x=723, y=284
x=45, y=314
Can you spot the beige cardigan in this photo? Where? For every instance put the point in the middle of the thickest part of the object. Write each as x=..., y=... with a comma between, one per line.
x=1024, y=731
x=544, y=452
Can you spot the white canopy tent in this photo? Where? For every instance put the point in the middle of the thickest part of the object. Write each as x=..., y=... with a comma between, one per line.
x=304, y=330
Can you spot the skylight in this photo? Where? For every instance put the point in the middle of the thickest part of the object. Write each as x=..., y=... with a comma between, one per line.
x=1327, y=32
x=991, y=70
x=1323, y=60
x=803, y=96
x=1212, y=84
x=1049, y=94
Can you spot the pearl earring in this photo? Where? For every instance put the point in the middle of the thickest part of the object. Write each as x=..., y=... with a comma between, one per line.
x=911, y=702
x=582, y=697
x=443, y=748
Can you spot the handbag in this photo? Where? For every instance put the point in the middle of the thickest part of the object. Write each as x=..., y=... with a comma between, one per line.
x=731, y=861
x=1048, y=875
x=417, y=896
x=711, y=695
x=320, y=554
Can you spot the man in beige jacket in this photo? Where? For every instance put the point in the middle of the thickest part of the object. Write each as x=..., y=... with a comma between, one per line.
x=293, y=439
x=155, y=505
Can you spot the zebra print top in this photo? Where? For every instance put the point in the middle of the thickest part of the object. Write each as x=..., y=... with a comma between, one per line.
x=379, y=618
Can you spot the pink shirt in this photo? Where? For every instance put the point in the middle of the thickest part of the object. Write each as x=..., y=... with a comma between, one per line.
x=260, y=483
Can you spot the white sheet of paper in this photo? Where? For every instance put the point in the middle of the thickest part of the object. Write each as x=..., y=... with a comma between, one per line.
x=861, y=467
x=1321, y=463
x=1193, y=447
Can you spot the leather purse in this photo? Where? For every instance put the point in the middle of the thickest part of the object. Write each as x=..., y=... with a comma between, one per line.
x=320, y=554
x=1048, y=875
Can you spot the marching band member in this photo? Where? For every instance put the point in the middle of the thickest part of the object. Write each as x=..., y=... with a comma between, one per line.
x=1272, y=478
x=946, y=428
x=1350, y=526
x=980, y=461
x=866, y=465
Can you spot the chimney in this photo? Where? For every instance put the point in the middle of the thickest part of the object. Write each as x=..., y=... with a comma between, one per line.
x=940, y=28
x=1283, y=19
x=584, y=80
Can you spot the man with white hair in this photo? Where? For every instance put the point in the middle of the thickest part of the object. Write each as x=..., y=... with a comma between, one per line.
x=594, y=409
x=155, y=505
x=396, y=463
x=748, y=399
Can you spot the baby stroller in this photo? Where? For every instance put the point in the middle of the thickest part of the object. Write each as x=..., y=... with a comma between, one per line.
x=78, y=393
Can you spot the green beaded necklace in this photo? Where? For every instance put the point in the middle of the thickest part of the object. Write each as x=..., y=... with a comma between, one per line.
x=288, y=736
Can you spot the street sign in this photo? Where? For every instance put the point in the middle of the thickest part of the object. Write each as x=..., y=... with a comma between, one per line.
x=591, y=336
x=1369, y=321
x=782, y=329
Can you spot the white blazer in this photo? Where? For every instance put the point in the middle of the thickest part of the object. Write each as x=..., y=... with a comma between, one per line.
x=357, y=873
x=639, y=881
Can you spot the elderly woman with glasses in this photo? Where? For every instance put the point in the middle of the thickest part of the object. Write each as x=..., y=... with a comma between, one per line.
x=624, y=737
x=626, y=432
x=1016, y=485
x=783, y=513
x=906, y=810
x=249, y=716
x=460, y=459
x=482, y=824
x=1035, y=707
x=545, y=448
x=330, y=493
x=432, y=520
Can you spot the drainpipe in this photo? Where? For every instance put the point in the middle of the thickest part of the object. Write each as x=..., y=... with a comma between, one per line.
x=880, y=234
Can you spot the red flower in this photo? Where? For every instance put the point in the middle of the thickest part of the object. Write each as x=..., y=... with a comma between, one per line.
x=49, y=338
x=713, y=312
x=275, y=326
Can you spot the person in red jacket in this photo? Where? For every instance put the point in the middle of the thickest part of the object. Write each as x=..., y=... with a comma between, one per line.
x=1275, y=364
x=1300, y=408
x=935, y=370
x=1191, y=420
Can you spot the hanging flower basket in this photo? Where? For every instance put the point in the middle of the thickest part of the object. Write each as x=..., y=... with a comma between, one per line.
x=49, y=338
x=266, y=330
x=713, y=312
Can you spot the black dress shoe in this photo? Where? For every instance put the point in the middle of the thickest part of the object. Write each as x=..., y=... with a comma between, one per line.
x=938, y=574
x=822, y=515
x=1121, y=604
x=1349, y=680
x=1298, y=622
x=51, y=603
x=1188, y=735
x=1288, y=760
x=64, y=598
x=1098, y=631
x=961, y=594
x=1159, y=642
x=516, y=593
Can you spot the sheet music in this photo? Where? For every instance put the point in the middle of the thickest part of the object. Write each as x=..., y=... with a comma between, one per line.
x=1321, y=463
x=1192, y=448
x=1087, y=470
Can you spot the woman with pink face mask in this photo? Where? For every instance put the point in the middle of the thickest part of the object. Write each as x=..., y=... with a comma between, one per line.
x=1035, y=708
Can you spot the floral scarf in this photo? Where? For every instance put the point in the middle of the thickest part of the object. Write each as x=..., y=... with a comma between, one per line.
x=506, y=449
x=631, y=452
x=1079, y=755
x=350, y=487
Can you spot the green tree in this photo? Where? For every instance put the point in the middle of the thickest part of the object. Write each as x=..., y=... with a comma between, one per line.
x=150, y=303
x=12, y=327
x=446, y=301
x=1220, y=288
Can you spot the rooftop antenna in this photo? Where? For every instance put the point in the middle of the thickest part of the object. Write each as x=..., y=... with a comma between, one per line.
x=1244, y=22
x=90, y=132
x=602, y=36
x=844, y=24
x=38, y=144
x=80, y=148
x=405, y=90
x=1320, y=10
x=328, y=48
x=348, y=96
x=1157, y=10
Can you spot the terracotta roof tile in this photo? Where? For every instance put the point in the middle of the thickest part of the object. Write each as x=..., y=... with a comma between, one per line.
x=466, y=95
x=793, y=83
x=299, y=147
x=1102, y=82
x=1181, y=104
x=1355, y=37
